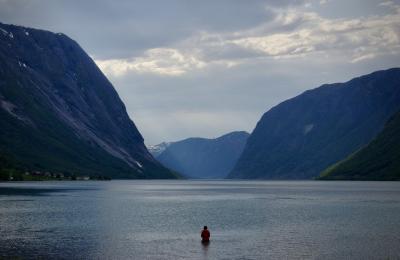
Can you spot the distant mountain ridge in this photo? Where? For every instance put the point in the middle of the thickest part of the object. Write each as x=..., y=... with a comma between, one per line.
x=204, y=158
x=379, y=160
x=300, y=137
x=58, y=112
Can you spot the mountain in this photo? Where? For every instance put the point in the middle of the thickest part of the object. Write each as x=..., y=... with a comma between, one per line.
x=58, y=112
x=156, y=150
x=302, y=136
x=379, y=160
x=204, y=158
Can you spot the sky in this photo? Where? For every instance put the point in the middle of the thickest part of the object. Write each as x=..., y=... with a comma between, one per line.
x=188, y=68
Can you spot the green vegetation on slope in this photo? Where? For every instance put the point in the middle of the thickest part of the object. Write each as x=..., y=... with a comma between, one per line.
x=302, y=136
x=379, y=160
x=59, y=114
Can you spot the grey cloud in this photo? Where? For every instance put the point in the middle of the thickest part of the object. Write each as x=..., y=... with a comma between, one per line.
x=352, y=9
x=110, y=29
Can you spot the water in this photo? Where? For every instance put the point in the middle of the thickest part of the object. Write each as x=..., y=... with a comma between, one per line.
x=163, y=220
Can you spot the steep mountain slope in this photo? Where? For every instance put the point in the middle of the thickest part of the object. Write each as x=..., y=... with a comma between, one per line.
x=379, y=160
x=204, y=158
x=58, y=112
x=300, y=137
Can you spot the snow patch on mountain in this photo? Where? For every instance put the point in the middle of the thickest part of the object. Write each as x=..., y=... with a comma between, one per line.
x=156, y=150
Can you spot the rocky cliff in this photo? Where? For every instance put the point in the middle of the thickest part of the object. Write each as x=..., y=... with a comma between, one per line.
x=302, y=136
x=58, y=112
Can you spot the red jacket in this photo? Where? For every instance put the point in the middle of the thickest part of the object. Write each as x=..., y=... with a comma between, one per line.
x=205, y=235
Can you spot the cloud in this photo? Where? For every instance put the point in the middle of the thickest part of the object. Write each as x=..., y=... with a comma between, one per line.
x=387, y=3
x=363, y=57
x=280, y=45
x=376, y=35
x=293, y=34
x=128, y=28
x=160, y=61
x=163, y=61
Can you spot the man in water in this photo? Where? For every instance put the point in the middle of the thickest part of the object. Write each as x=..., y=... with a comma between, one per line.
x=205, y=235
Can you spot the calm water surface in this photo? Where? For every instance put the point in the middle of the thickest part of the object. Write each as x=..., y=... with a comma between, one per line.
x=163, y=220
